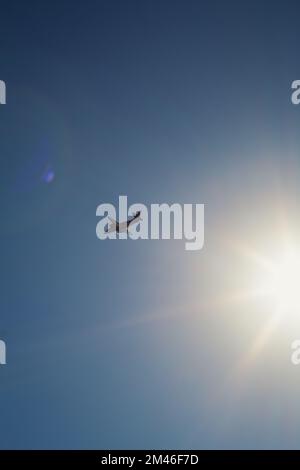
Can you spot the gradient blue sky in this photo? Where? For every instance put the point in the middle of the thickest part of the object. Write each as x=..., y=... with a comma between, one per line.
x=129, y=344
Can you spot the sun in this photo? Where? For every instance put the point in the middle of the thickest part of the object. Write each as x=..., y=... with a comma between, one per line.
x=269, y=293
x=274, y=283
x=269, y=279
x=282, y=283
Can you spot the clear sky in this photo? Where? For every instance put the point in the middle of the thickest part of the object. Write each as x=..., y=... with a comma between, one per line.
x=141, y=344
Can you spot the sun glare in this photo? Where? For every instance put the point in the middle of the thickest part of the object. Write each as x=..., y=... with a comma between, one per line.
x=282, y=283
x=273, y=279
x=272, y=295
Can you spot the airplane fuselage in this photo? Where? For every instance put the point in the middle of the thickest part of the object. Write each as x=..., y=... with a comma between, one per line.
x=123, y=226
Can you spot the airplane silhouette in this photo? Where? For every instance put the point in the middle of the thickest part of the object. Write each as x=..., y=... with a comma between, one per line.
x=118, y=227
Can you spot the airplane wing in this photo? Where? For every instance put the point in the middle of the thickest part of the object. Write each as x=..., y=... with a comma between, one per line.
x=123, y=227
x=133, y=220
x=112, y=226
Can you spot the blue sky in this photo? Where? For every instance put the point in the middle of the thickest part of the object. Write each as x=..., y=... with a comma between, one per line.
x=130, y=344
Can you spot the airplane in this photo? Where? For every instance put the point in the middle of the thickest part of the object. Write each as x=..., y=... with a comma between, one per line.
x=118, y=227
